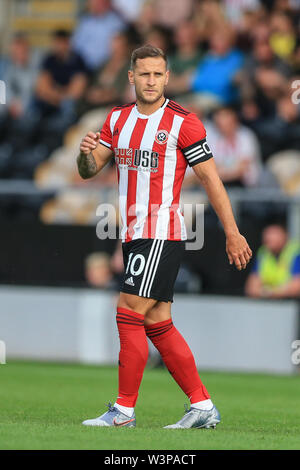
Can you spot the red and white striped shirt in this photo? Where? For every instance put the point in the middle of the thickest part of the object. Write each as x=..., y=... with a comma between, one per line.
x=152, y=153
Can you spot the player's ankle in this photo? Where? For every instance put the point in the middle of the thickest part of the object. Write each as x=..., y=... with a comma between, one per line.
x=203, y=405
x=128, y=411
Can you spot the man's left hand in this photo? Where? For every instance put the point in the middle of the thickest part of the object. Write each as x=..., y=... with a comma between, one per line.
x=238, y=251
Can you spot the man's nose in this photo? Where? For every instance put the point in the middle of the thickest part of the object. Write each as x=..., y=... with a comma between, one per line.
x=151, y=80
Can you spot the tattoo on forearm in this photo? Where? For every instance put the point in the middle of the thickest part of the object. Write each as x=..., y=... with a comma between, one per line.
x=87, y=165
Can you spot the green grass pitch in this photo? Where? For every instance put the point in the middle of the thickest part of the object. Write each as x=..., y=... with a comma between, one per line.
x=42, y=406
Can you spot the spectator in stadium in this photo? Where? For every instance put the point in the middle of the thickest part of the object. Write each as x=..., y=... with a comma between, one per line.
x=276, y=270
x=186, y=57
x=18, y=71
x=261, y=30
x=261, y=56
x=284, y=129
x=274, y=116
x=146, y=18
x=209, y=17
x=128, y=10
x=109, y=82
x=262, y=81
x=60, y=84
x=215, y=75
x=170, y=13
x=98, y=272
x=268, y=86
x=188, y=53
x=159, y=36
x=93, y=35
x=62, y=76
x=295, y=60
x=283, y=35
x=234, y=9
x=235, y=148
x=117, y=263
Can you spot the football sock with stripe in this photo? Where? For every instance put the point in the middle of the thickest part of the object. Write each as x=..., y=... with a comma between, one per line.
x=178, y=359
x=132, y=357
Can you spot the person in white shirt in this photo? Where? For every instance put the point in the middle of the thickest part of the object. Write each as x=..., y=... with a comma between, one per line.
x=235, y=148
x=93, y=35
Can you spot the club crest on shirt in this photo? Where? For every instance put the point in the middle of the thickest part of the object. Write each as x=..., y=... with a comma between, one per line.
x=161, y=137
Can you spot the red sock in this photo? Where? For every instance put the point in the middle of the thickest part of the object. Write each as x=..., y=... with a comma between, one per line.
x=133, y=355
x=178, y=358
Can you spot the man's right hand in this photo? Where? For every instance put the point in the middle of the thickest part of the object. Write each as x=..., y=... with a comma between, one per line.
x=93, y=155
x=89, y=142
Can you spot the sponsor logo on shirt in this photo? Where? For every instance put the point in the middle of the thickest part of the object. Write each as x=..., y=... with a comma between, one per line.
x=136, y=159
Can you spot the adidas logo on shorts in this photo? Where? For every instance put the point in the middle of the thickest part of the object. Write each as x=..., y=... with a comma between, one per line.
x=129, y=281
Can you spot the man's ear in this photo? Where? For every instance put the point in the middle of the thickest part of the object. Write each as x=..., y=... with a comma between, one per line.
x=167, y=76
x=130, y=77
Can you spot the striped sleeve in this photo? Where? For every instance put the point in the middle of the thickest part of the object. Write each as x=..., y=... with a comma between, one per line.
x=105, y=133
x=192, y=141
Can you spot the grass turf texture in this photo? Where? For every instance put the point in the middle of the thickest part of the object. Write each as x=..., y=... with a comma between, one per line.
x=43, y=404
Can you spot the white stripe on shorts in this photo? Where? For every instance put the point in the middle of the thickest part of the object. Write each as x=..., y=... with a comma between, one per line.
x=155, y=267
x=149, y=267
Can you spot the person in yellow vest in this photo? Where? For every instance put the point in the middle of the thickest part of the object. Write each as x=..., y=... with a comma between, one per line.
x=276, y=269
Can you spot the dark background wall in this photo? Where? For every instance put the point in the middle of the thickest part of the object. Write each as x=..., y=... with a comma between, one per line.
x=33, y=253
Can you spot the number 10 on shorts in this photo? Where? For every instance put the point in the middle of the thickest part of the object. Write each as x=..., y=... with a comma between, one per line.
x=135, y=264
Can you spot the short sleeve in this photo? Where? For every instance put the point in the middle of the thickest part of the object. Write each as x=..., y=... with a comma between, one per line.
x=192, y=140
x=296, y=266
x=255, y=267
x=105, y=133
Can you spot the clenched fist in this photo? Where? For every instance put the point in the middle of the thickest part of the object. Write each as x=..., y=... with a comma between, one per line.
x=89, y=142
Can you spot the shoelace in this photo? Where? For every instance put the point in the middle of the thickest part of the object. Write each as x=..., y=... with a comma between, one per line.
x=110, y=407
x=186, y=408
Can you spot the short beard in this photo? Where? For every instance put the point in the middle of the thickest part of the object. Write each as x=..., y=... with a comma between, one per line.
x=145, y=101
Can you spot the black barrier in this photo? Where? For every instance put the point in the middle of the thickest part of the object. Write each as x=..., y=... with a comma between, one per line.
x=53, y=255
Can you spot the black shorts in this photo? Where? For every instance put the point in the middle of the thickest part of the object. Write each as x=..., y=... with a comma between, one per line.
x=151, y=267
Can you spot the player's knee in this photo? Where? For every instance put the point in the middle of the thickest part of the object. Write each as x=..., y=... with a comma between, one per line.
x=135, y=303
x=160, y=312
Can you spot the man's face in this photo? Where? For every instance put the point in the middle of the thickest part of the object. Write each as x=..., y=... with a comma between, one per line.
x=149, y=77
x=226, y=121
x=61, y=46
x=98, y=7
x=274, y=238
x=219, y=44
x=19, y=51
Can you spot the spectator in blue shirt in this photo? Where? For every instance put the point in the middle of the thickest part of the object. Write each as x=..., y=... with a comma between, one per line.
x=216, y=72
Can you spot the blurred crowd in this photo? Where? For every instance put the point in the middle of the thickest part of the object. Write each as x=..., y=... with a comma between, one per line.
x=236, y=63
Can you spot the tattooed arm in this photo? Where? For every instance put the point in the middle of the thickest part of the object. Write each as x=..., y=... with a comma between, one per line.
x=93, y=156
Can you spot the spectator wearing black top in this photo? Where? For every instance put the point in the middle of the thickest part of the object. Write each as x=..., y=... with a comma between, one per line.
x=62, y=80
